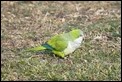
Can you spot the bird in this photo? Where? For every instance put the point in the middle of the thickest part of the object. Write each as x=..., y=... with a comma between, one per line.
x=62, y=44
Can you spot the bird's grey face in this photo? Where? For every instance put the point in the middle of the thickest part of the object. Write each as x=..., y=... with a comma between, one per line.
x=81, y=33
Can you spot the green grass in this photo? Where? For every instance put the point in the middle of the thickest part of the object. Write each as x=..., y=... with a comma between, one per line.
x=28, y=24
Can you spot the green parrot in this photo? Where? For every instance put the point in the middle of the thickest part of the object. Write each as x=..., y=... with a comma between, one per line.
x=62, y=44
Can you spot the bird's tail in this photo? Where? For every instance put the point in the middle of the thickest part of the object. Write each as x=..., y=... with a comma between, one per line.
x=38, y=48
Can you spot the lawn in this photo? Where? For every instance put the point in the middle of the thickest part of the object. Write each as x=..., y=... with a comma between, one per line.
x=25, y=24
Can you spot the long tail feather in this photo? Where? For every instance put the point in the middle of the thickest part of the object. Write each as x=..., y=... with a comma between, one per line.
x=38, y=48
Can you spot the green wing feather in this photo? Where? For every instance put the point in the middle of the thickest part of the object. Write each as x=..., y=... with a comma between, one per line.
x=59, y=42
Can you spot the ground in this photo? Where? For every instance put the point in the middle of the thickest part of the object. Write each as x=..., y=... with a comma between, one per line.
x=26, y=24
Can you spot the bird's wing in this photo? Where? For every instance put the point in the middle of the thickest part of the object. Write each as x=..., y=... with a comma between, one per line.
x=59, y=42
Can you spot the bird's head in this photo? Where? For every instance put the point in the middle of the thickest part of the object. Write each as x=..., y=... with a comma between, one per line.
x=76, y=33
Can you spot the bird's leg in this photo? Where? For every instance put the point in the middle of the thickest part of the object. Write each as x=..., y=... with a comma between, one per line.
x=61, y=54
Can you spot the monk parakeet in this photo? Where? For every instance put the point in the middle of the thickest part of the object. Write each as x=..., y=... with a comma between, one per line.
x=62, y=44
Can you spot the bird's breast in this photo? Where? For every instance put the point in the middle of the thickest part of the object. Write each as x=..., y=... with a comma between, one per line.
x=73, y=45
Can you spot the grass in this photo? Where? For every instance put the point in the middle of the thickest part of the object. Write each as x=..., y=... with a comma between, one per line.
x=25, y=24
